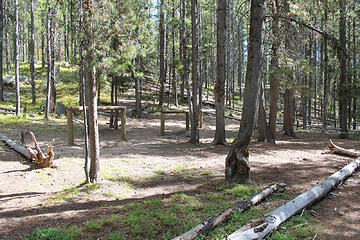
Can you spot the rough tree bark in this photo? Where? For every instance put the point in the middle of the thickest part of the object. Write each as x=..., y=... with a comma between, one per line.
x=162, y=57
x=32, y=52
x=219, y=89
x=48, y=53
x=289, y=94
x=1, y=51
x=16, y=57
x=274, y=78
x=94, y=146
x=237, y=162
x=194, y=138
x=53, y=56
x=342, y=60
x=326, y=75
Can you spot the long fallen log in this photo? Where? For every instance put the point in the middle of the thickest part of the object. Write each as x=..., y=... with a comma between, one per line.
x=17, y=147
x=262, y=227
x=241, y=206
x=339, y=150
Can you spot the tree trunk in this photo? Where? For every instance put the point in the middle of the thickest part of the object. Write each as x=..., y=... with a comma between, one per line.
x=194, y=138
x=1, y=51
x=66, y=38
x=162, y=57
x=240, y=73
x=53, y=64
x=32, y=51
x=289, y=112
x=137, y=94
x=174, y=83
x=48, y=53
x=94, y=146
x=326, y=75
x=181, y=51
x=16, y=57
x=261, y=123
x=355, y=72
x=342, y=62
x=7, y=38
x=83, y=93
x=289, y=94
x=219, y=89
x=237, y=163
x=274, y=77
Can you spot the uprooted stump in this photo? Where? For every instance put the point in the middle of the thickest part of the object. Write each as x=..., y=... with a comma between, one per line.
x=36, y=156
x=39, y=157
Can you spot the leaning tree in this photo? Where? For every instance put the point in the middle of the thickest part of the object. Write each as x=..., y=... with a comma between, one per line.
x=237, y=162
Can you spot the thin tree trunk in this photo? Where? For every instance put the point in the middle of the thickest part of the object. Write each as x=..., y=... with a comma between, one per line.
x=174, y=83
x=90, y=69
x=16, y=57
x=7, y=38
x=181, y=50
x=274, y=77
x=219, y=89
x=194, y=138
x=326, y=76
x=289, y=94
x=32, y=51
x=48, y=50
x=342, y=61
x=137, y=94
x=53, y=56
x=1, y=50
x=162, y=57
x=355, y=71
x=237, y=162
x=261, y=123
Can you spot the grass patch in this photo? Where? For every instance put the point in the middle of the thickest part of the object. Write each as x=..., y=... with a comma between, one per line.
x=13, y=119
x=242, y=191
x=96, y=225
x=55, y=234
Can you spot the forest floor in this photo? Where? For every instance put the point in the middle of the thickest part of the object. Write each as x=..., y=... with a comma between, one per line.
x=149, y=165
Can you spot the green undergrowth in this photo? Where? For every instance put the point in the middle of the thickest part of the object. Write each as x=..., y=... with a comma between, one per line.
x=58, y=233
x=171, y=215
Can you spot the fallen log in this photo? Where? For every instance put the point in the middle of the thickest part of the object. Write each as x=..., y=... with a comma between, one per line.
x=339, y=150
x=261, y=228
x=214, y=220
x=16, y=147
x=37, y=156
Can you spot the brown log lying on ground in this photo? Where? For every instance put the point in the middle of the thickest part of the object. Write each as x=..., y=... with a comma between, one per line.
x=261, y=228
x=214, y=220
x=38, y=157
x=17, y=147
x=339, y=150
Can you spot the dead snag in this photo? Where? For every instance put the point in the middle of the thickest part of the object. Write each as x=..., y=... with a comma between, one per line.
x=343, y=151
x=214, y=220
x=39, y=157
x=266, y=225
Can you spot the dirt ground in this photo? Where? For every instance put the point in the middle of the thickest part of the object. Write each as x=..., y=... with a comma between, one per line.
x=31, y=197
